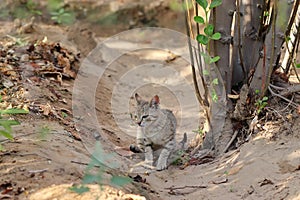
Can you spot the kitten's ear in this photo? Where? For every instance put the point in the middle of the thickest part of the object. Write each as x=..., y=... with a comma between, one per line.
x=138, y=98
x=154, y=100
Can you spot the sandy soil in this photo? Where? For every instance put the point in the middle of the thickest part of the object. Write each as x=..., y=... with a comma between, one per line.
x=45, y=158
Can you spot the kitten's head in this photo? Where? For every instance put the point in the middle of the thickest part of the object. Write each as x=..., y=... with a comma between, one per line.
x=146, y=112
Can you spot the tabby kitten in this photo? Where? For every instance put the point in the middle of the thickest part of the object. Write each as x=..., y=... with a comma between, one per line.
x=156, y=130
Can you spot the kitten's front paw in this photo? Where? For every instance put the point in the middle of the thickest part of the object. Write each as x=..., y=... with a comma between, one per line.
x=135, y=149
x=161, y=166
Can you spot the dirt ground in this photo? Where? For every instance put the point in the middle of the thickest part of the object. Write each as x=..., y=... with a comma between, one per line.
x=53, y=144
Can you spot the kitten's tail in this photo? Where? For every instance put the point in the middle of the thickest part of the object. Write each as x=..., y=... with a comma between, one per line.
x=183, y=142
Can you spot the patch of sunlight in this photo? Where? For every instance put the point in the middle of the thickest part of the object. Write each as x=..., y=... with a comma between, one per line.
x=294, y=155
x=152, y=54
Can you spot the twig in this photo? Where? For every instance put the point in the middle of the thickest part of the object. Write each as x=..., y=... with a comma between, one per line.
x=277, y=87
x=282, y=97
x=186, y=186
x=288, y=104
x=273, y=43
x=275, y=111
x=290, y=90
x=230, y=142
x=197, y=90
x=38, y=171
x=80, y=163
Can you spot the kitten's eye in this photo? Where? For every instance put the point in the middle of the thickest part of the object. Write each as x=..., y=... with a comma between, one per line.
x=132, y=116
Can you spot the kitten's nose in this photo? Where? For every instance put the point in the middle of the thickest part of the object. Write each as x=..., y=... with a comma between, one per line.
x=139, y=122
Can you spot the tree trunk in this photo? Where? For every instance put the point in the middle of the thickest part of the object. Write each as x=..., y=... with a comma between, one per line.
x=218, y=127
x=251, y=50
x=272, y=46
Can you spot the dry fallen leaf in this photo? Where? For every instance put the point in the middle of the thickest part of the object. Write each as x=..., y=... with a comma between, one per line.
x=46, y=109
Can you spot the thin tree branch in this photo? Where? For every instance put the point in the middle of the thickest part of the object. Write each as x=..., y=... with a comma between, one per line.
x=274, y=13
x=295, y=41
x=290, y=90
x=186, y=186
x=197, y=91
x=295, y=105
x=230, y=142
x=292, y=19
x=198, y=44
x=239, y=41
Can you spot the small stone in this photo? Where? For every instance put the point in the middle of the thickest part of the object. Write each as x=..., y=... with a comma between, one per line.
x=7, y=83
x=24, y=58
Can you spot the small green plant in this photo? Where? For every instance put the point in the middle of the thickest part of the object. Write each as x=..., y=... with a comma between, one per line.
x=58, y=13
x=199, y=131
x=95, y=172
x=61, y=16
x=19, y=41
x=33, y=7
x=7, y=124
x=181, y=157
x=205, y=38
x=25, y=9
x=64, y=115
x=208, y=28
x=231, y=189
x=261, y=104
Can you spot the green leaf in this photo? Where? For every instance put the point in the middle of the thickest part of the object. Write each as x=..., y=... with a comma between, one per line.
x=205, y=72
x=79, y=189
x=209, y=30
x=8, y=123
x=215, y=81
x=14, y=111
x=54, y=4
x=120, y=180
x=6, y=134
x=216, y=36
x=203, y=39
x=214, y=59
x=199, y=19
x=298, y=65
x=202, y=3
x=265, y=98
x=92, y=178
x=215, y=3
x=214, y=96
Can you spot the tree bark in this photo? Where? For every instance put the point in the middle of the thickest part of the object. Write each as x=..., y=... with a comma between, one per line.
x=272, y=46
x=218, y=127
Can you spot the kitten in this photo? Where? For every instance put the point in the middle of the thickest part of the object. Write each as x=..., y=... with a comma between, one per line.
x=156, y=130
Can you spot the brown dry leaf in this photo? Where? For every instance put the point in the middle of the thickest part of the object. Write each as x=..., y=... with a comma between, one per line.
x=46, y=109
x=299, y=110
x=265, y=182
x=65, y=63
x=171, y=57
x=75, y=135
